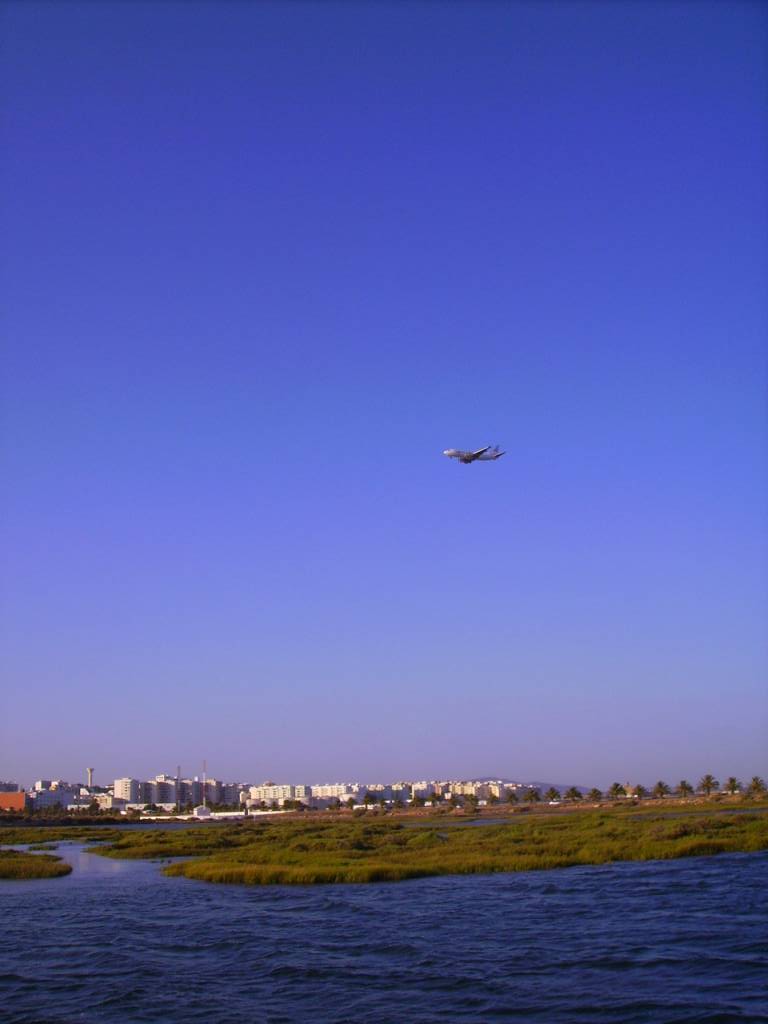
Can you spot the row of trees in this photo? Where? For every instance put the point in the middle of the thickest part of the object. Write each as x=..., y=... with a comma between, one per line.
x=708, y=784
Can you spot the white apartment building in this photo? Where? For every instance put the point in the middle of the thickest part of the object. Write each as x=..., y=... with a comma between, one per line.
x=380, y=790
x=159, y=792
x=423, y=789
x=462, y=788
x=274, y=793
x=230, y=792
x=339, y=790
x=127, y=789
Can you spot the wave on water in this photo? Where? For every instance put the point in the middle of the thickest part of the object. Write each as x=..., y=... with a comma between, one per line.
x=673, y=942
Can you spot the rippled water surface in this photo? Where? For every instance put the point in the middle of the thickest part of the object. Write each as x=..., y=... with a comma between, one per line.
x=117, y=941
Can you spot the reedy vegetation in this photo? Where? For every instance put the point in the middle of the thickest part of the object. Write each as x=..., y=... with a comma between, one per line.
x=31, y=834
x=21, y=866
x=304, y=852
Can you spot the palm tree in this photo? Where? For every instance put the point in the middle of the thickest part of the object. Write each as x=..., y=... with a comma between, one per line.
x=756, y=786
x=684, y=788
x=533, y=796
x=708, y=783
x=511, y=796
x=594, y=795
x=732, y=785
x=616, y=791
x=552, y=794
x=573, y=794
x=660, y=790
x=641, y=792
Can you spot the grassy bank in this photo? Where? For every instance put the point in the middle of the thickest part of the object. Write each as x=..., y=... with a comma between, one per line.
x=21, y=866
x=11, y=836
x=306, y=852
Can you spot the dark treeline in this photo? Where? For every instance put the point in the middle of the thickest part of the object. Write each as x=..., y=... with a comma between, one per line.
x=708, y=785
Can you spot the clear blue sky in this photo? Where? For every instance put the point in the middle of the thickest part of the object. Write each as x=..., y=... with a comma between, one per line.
x=262, y=263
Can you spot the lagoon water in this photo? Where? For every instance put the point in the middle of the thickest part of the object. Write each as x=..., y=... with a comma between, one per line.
x=661, y=942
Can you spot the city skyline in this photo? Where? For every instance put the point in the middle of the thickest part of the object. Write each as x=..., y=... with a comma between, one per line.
x=263, y=265
x=354, y=781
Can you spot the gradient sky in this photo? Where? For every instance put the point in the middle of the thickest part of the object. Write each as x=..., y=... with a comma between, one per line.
x=262, y=263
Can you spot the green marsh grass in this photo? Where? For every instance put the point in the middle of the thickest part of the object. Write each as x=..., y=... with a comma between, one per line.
x=17, y=835
x=23, y=866
x=316, y=852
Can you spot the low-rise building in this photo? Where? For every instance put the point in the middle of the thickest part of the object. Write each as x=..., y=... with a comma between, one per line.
x=63, y=796
x=10, y=801
x=107, y=802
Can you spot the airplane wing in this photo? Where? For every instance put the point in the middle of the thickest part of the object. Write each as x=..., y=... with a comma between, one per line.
x=480, y=451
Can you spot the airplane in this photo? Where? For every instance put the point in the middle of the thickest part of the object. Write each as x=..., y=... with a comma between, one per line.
x=481, y=455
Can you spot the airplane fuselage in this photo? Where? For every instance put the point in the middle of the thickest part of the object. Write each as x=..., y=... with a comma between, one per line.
x=481, y=455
